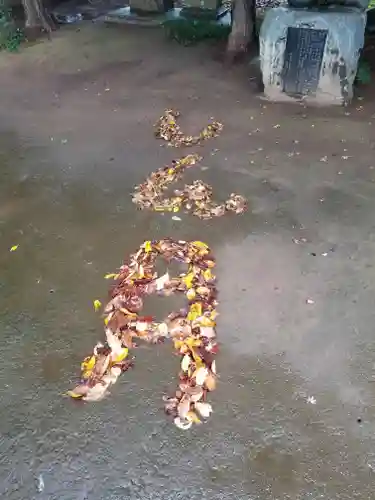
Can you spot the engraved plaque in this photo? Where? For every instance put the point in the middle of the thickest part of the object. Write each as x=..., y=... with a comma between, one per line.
x=303, y=60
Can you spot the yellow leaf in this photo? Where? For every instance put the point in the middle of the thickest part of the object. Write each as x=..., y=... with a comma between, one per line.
x=200, y=245
x=74, y=395
x=13, y=248
x=178, y=344
x=197, y=359
x=187, y=344
x=190, y=294
x=106, y=320
x=191, y=342
x=204, y=321
x=193, y=417
x=195, y=311
x=188, y=280
x=97, y=304
x=176, y=209
x=208, y=276
x=88, y=363
x=148, y=246
x=110, y=276
x=214, y=314
x=123, y=354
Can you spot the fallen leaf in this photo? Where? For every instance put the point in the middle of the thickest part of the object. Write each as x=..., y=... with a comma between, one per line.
x=97, y=304
x=200, y=375
x=191, y=416
x=190, y=294
x=162, y=281
x=195, y=393
x=148, y=246
x=87, y=366
x=185, y=363
x=210, y=382
x=121, y=356
x=182, y=424
x=183, y=407
x=162, y=330
x=13, y=248
x=207, y=331
x=204, y=409
x=188, y=280
x=79, y=391
x=195, y=311
x=200, y=245
x=96, y=393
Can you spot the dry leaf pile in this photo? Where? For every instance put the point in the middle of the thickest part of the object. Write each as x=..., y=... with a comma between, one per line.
x=196, y=197
x=192, y=329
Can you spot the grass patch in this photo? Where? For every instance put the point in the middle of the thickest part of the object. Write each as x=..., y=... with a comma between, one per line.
x=11, y=36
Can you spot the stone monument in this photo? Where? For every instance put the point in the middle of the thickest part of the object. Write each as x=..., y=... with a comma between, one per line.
x=310, y=52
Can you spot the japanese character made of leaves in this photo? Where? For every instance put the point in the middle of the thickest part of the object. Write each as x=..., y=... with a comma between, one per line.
x=192, y=329
x=196, y=197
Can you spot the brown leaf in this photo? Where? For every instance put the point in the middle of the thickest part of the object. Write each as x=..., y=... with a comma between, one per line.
x=210, y=382
x=183, y=406
x=79, y=391
x=127, y=339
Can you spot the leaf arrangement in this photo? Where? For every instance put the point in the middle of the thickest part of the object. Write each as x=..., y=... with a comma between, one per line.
x=195, y=198
x=168, y=129
x=191, y=329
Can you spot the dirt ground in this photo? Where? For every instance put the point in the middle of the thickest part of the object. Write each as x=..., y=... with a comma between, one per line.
x=296, y=277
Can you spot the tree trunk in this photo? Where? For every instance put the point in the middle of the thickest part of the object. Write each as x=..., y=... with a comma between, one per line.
x=37, y=18
x=243, y=28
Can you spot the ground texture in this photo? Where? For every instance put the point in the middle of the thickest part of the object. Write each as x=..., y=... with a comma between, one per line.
x=296, y=278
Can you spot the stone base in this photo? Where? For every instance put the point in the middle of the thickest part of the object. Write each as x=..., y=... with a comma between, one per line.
x=318, y=66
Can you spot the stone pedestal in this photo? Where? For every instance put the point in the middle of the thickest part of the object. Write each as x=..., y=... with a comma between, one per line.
x=311, y=55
